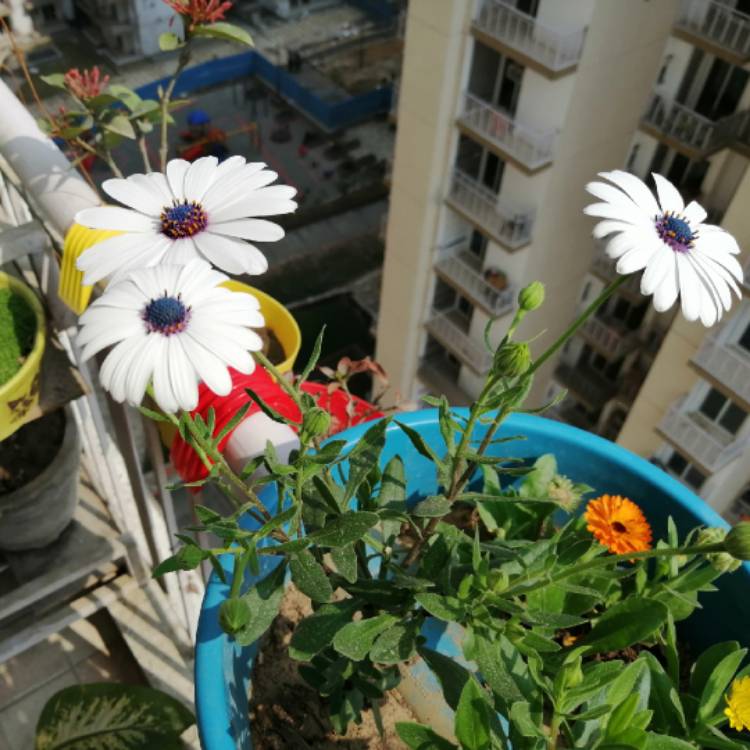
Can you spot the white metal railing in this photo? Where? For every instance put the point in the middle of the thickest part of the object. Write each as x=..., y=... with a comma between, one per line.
x=718, y=23
x=455, y=264
x=609, y=337
x=700, y=439
x=728, y=363
x=555, y=49
x=680, y=122
x=531, y=147
x=510, y=226
x=458, y=341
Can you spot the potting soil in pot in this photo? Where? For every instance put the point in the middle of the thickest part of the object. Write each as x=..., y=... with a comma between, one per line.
x=28, y=451
x=287, y=714
x=17, y=330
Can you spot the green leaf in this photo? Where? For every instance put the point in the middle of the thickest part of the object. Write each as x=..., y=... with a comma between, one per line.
x=127, y=96
x=472, y=726
x=187, y=558
x=120, y=125
x=263, y=600
x=54, y=79
x=664, y=742
x=445, y=608
x=536, y=482
x=669, y=715
x=396, y=644
x=356, y=639
x=520, y=716
x=206, y=515
x=621, y=716
x=345, y=560
x=345, y=529
x=717, y=683
x=226, y=31
x=362, y=458
x=497, y=670
x=392, y=495
x=419, y=443
x=237, y=417
x=155, y=416
x=328, y=453
x=706, y=663
x=130, y=717
x=309, y=577
x=269, y=411
x=314, y=356
x=624, y=624
x=169, y=41
x=316, y=632
x=451, y=675
x=420, y=737
x=434, y=506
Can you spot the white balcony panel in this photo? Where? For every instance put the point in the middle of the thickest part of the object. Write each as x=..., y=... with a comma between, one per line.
x=727, y=363
x=717, y=23
x=459, y=342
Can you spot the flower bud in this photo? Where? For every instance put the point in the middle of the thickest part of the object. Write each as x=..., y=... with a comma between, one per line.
x=720, y=561
x=512, y=359
x=234, y=614
x=316, y=423
x=737, y=543
x=531, y=297
x=564, y=493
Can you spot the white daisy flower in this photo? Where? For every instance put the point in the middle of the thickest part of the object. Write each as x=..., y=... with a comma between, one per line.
x=175, y=326
x=199, y=210
x=681, y=255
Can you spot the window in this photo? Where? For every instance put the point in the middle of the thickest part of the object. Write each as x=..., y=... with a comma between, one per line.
x=478, y=244
x=586, y=291
x=464, y=306
x=723, y=411
x=663, y=72
x=744, y=340
x=680, y=467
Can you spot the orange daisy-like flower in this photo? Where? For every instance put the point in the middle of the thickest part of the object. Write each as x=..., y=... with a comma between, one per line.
x=618, y=524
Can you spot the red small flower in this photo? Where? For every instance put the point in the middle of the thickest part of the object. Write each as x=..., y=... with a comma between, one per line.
x=200, y=11
x=86, y=85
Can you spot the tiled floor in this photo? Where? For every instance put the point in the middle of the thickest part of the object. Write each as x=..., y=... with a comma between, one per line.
x=90, y=651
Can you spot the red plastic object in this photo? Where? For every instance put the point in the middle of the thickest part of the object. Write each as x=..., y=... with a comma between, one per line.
x=187, y=463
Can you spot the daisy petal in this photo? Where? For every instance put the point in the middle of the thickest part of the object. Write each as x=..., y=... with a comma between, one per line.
x=669, y=198
x=608, y=226
x=117, y=219
x=635, y=188
x=660, y=265
x=259, y=230
x=141, y=197
x=610, y=194
x=176, y=171
x=199, y=177
x=694, y=213
x=619, y=213
x=125, y=251
x=690, y=288
x=634, y=260
x=211, y=370
x=181, y=375
x=231, y=255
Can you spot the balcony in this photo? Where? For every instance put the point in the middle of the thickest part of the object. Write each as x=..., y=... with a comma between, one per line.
x=728, y=366
x=443, y=327
x=588, y=386
x=715, y=27
x=609, y=336
x=528, y=149
x=481, y=207
x=604, y=267
x=550, y=51
x=440, y=379
x=699, y=439
x=460, y=269
x=678, y=126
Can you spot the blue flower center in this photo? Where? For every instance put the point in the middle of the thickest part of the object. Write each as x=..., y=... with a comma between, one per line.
x=166, y=315
x=675, y=231
x=183, y=220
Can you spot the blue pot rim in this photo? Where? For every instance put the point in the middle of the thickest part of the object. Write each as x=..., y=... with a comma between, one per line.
x=211, y=687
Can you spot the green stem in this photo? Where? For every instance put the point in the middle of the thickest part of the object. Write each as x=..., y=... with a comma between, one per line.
x=577, y=323
x=238, y=575
x=607, y=560
x=142, y=146
x=286, y=386
x=182, y=63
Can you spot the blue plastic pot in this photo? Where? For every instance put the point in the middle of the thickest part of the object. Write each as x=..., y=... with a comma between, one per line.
x=222, y=669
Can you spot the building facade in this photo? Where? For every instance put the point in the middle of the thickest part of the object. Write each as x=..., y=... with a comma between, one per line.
x=127, y=30
x=506, y=109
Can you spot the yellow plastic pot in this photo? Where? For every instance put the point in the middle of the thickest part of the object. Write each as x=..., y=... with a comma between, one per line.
x=21, y=393
x=278, y=319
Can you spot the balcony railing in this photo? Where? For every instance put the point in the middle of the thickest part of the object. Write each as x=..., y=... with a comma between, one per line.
x=717, y=23
x=530, y=147
x=442, y=326
x=586, y=384
x=728, y=363
x=554, y=49
x=679, y=122
x=508, y=226
x=700, y=439
x=610, y=336
x=457, y=266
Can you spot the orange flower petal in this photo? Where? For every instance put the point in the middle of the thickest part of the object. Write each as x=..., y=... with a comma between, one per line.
x=618, y=524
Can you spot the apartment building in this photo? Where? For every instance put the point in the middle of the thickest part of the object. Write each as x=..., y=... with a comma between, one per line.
x=506, y=109
x=126, y=30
